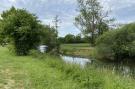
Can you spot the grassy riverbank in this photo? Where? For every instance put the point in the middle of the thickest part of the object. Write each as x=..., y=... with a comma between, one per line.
x=51, y=73
x=82, y=49
x=48, y=72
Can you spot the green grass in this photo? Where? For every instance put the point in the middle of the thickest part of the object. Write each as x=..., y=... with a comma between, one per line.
x=50, y=72
x=82, y=49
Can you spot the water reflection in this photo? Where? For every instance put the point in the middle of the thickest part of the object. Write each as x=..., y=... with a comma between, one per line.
x=76, y=60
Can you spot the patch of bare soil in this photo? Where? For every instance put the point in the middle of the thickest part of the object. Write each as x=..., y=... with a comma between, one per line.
x=9, y=82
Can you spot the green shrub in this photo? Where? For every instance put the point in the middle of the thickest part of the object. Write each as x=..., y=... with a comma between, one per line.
x=117, y=44
x=22, y=28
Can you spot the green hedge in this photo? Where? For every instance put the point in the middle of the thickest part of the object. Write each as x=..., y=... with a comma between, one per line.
x=117, y=44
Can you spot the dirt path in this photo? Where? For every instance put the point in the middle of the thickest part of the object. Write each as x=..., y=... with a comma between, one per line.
x=8, y=81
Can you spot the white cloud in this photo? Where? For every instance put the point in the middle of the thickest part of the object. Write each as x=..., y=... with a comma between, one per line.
x=13, y=1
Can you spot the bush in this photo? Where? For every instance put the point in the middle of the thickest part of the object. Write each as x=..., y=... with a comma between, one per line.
x=22, y=28
x=117, y=45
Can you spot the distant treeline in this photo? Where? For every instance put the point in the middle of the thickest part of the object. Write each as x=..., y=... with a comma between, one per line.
x=69, y=38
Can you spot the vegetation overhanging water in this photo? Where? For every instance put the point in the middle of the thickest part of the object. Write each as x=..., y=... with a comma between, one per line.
x=121, y=68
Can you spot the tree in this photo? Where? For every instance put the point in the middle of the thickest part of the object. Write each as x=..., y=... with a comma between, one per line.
x=92, y=20
x=69, y=38
x=78, y=39
x=22, y=29
x=56, y=22
x=61, y=40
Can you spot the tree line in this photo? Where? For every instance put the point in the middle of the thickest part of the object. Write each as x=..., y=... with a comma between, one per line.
x=70, y=38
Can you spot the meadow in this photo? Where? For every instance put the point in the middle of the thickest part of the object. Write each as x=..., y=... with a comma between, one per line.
x=81, y=49
x=50, y=72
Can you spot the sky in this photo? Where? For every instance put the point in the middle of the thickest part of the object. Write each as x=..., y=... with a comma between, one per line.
x=122, y=10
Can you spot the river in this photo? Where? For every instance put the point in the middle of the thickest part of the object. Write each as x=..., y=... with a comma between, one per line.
x=124, y=69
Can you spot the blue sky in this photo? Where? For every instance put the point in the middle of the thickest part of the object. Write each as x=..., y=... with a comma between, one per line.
x=46, y=10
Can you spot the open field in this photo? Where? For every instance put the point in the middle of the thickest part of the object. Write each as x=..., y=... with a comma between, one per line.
x=82, y=49
x=50, y=72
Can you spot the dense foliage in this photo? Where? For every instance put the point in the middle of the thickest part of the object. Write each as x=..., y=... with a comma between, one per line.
x=118, y=44
x=21, y=28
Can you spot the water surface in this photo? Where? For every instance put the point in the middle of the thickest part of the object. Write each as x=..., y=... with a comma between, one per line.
x=76, y=60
